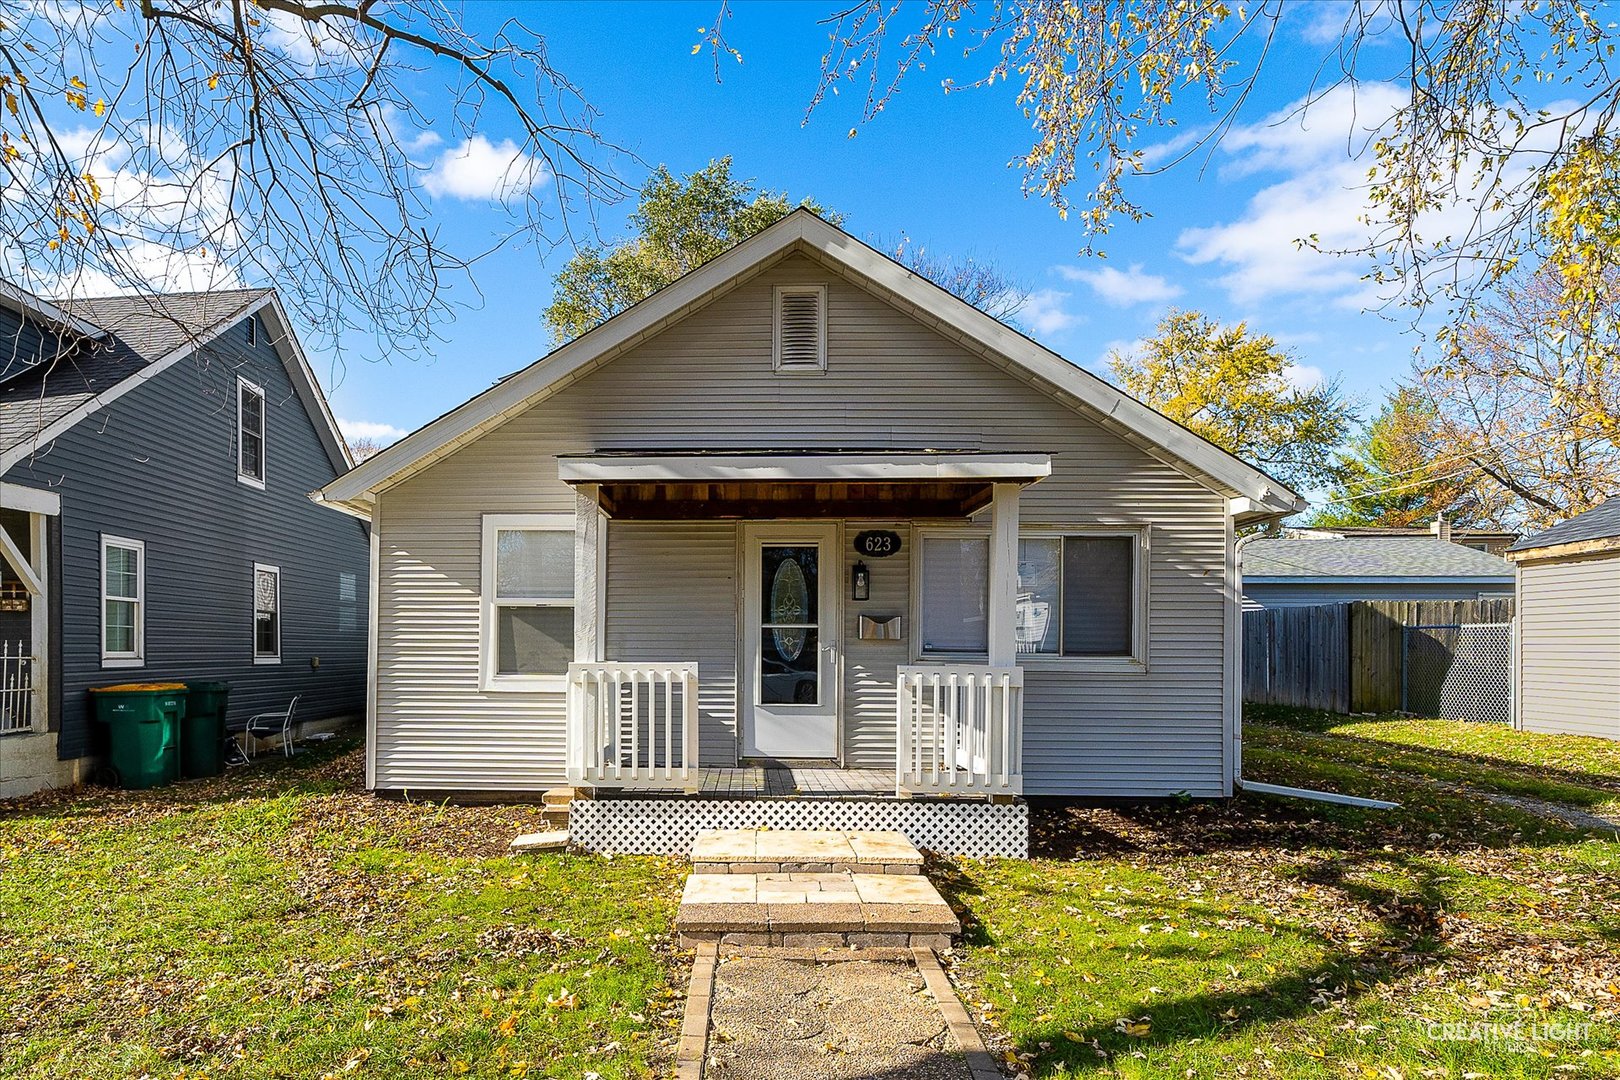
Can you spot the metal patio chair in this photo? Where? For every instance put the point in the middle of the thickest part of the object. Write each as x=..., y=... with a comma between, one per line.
x=265, y=724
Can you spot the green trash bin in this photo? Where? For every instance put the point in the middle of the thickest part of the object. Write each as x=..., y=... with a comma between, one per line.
x=202, y=732
x=143, y=730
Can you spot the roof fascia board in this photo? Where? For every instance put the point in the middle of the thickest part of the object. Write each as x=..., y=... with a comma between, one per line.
x=54, y=430
x=21, y=300
x=547, y=376
x=803, y=467
x=1597, y=545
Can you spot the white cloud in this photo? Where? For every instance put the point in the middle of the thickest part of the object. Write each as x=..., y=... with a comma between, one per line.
x=479, y=169
x=1123, y=288
x=1046, y=312
x=370, y=429
x=1303, y=376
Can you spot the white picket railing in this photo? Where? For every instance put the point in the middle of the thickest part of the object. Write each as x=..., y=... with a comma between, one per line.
x=633, y=725
x=16, y=688
x=960, y=727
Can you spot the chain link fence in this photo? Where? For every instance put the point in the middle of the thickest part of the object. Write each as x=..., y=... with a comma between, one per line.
x=1458, y=672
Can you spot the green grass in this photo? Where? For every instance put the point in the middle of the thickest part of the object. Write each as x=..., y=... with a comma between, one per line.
x=280, y=922
x=287, y=924
x=1272, y=937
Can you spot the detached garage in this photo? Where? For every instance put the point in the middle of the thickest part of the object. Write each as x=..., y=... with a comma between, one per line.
x=1567, y=669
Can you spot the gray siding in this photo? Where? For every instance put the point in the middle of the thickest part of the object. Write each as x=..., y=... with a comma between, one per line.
x=159, y=465
x=868, y=678
x=1569, y=646
x=1260, y=594
x=891, y=382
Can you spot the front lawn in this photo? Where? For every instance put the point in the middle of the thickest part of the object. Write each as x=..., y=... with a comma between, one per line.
x=1453, y=937
x=284, y=923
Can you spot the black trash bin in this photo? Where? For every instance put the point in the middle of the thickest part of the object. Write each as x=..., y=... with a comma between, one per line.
x=202, y=731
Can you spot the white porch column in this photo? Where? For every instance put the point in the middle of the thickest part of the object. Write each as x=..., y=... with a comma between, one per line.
x=1003, y=574
x=39, y=611
x=589, y=550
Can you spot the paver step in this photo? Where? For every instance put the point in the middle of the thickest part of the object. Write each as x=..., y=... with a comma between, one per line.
x=810, y=909
x=770, y=851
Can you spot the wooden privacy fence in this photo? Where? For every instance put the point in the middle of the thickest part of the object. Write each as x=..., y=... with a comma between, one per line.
x=1344, y=657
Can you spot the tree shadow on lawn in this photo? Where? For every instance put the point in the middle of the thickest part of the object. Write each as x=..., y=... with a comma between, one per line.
x=1406, y=938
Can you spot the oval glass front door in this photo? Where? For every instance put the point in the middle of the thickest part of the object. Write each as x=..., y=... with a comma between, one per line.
x=789, y=649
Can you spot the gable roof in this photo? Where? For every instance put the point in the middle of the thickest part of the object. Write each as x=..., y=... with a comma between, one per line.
x=138, y=338
x=1256, y=495
x=1368, y=557
x=1602, y=522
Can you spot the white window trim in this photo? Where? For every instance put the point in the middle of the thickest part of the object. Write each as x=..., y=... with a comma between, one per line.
x=265, y=658
x=820, y=366
x=1134, y=664
x=138, y=657
x=488, y=680
x=264, y=434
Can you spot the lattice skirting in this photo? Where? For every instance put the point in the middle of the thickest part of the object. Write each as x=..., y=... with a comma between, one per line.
x=668, y=826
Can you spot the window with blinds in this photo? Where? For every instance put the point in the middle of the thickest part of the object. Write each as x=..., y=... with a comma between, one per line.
x=800, y=339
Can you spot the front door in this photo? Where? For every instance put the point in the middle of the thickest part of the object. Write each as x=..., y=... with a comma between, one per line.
x=790, y=641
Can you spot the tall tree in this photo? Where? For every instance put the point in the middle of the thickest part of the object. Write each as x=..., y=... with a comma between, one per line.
x=682, y=223
x=1234, y=388
x=1391, y=475
x=1527, y=404
x=1504, y=102
x=211, y=143
x=679, y=225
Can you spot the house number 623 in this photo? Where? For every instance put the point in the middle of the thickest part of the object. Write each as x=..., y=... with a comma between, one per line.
x=877, y=543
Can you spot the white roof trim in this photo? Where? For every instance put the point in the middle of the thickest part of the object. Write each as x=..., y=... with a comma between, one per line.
x=416, y=451
x=292, y=358
x=30, y=499
x=773, y=467
x=21, y=299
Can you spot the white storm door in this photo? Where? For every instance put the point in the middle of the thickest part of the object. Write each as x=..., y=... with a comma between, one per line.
x=790, y=630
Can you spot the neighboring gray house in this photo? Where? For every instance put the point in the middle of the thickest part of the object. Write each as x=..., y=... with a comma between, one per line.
x=1566, y=671
x=1294, y=572
x=155, y=460
x=804, y=505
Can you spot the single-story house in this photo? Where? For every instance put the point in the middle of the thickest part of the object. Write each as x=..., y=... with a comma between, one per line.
x=1299, y=571
x=156, y=453
x=1566, y=667
x=805, y=508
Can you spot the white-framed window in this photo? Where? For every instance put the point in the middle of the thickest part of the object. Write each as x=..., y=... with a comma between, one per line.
x=528, y=601
x=799, y=337
x=123, y=602
x=266, y=614
x=1081, y=601
x=250, y=433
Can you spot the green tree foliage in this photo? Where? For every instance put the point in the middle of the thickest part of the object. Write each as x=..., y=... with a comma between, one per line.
x=1391, y=476
x=679, y=225
x=1233, y=388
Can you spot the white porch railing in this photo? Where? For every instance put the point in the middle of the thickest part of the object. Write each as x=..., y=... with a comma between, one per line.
x=16, y=688
x=960, y=727
x=633, y=725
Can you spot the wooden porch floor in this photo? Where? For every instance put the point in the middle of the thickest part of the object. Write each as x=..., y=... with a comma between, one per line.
x=788, y=780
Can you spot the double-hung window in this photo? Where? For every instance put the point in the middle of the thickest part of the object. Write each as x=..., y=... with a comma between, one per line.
x=528, y=600
x=250, y=423
x=123, y=602
x=1081, y=596
x=266, y=614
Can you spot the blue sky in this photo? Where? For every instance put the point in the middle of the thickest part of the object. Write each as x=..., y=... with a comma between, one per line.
x=932, y=167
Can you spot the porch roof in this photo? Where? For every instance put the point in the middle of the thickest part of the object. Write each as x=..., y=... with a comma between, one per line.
x=883, y=484
x=809, y=466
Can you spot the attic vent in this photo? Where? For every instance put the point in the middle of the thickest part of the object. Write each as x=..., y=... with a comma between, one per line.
x=801, y=329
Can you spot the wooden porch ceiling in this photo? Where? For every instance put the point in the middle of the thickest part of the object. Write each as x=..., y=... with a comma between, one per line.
x=793, y=499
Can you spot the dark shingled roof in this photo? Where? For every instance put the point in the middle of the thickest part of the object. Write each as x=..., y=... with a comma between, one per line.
x=1598, y=523
x=1369, y=557
x=141, y=329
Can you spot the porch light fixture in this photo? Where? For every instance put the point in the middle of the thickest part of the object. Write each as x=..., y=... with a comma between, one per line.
x=860, y=582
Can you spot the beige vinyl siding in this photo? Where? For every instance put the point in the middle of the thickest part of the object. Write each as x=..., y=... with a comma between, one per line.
x=869, y=666
x=672, y=596
x=707, y=382
x=1569, y=646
